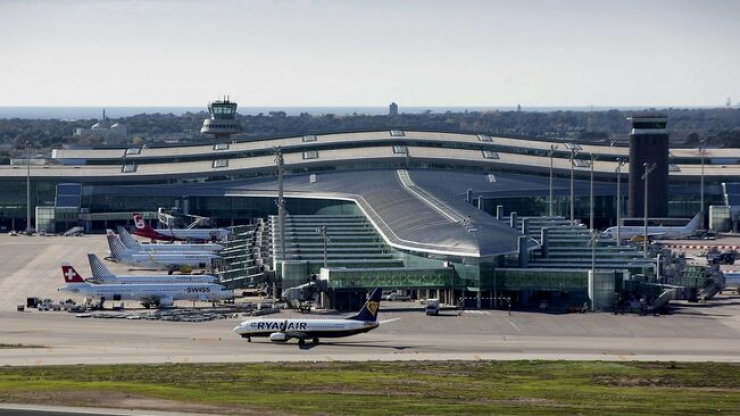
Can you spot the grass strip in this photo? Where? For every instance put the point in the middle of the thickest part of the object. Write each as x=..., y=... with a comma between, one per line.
x=389, y=388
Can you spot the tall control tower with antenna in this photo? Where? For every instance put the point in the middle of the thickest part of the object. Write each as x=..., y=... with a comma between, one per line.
x=222, y=123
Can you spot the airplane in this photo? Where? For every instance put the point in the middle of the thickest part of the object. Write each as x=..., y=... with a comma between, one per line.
x=282, y=330
x=176, y=260
x=157, y=295
x=654, y=232
x=178, y=234
x=134, y=245
x=101, y=274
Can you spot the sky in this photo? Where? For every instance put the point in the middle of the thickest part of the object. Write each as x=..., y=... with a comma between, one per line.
x=354, y=53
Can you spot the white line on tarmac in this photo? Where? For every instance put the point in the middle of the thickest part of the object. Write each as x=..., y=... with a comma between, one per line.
x=512, y=324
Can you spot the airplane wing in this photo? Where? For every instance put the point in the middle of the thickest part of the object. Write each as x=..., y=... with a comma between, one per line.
x=637, y=238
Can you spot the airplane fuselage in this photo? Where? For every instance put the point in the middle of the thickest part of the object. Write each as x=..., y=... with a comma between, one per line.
x=655, y=232
x=183, y=234
x=307, y=328
x=144, y=292
x=154, y=279
x=182, y=248
x=199, y=259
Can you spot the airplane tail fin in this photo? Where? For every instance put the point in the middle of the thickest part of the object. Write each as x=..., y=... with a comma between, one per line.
x=70, y=274
x=140, y=224
x=99, y=270
x=695, y=222
x=127, y=239
x=369, y=311
x=117, y=248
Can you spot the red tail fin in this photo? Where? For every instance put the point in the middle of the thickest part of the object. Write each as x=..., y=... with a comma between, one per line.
x=139, y=222
x=71, y=275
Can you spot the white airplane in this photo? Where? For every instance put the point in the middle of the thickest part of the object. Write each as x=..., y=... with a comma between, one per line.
x=134, y=245
x=654, y=232
x=178, y=234
x=176, y=260
x=282, y=330
x=157, y=295
x=101, y=274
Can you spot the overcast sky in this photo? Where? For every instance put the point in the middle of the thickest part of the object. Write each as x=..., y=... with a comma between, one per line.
x=370, y=52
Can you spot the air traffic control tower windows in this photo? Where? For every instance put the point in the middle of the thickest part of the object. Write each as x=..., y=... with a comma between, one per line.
x=223, y=110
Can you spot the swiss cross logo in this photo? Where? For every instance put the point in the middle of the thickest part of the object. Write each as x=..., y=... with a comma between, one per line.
x=70, y=275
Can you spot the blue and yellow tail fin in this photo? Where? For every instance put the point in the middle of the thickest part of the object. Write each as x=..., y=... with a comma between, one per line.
x=369, y=311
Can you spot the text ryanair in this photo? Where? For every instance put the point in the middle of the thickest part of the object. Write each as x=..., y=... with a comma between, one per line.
x=278, y=326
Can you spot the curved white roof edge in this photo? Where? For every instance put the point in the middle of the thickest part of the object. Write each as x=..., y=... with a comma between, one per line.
x=394, y=241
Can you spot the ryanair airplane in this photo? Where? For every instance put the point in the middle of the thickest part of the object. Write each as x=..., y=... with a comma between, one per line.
x=283, y=330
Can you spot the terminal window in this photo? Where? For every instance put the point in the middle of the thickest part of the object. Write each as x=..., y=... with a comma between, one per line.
x=484, y=138
x=489, y=154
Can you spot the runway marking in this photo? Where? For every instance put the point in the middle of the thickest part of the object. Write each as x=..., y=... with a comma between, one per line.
x=477, y=312
x=513, y=324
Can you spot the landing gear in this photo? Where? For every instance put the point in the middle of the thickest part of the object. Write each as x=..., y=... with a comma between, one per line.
x=301, y=342
x=316, y=341
x=146, y=305
x=249, y=339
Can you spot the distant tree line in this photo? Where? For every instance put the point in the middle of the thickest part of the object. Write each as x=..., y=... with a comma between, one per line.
x=720, y=127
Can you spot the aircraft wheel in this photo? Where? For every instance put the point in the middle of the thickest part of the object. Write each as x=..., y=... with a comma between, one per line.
x=249, y=339
x=316, y=341
x=301, y=342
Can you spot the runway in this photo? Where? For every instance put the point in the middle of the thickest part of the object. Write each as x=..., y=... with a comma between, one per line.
x=701, y=332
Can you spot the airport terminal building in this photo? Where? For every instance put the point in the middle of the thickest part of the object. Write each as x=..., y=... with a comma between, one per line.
x=447, y=215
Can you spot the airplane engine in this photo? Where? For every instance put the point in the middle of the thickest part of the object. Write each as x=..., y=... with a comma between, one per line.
x=279, y=337
x=181, y=268
x=166, y=302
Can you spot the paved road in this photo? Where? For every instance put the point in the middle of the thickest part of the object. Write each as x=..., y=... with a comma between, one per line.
x=700, y=333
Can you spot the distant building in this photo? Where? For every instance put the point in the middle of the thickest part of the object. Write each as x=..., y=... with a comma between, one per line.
x=105, y=131
x=393, y=110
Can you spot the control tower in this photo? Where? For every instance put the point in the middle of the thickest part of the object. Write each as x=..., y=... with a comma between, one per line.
x=648, y=152
x=222, y=123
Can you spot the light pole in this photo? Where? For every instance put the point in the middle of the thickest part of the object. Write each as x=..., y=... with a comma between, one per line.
x=322, y=230
x=702, y=149
x=594, y=241
x=620, y=163
x=591, y=194
x=28, y=191
x=280, y=162
x=648, y=168
x=573, y=152
x=553, y=148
